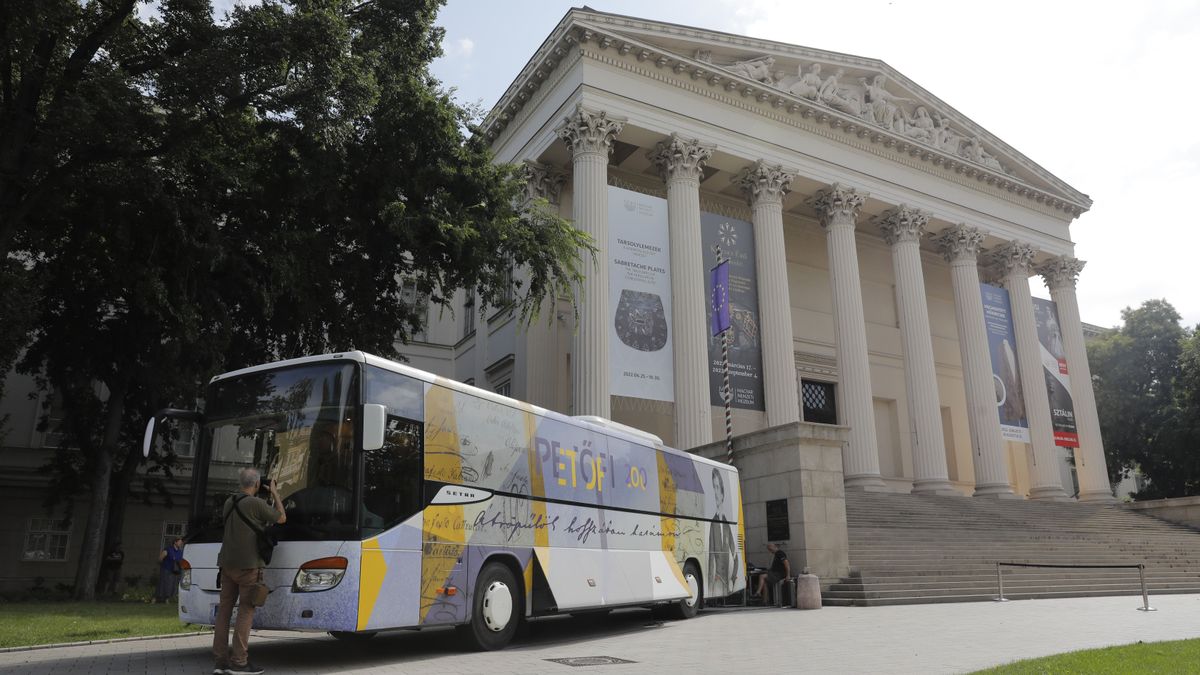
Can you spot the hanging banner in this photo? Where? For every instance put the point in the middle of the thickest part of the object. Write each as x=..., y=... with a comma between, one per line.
x=1002, y=345
x=1054, y=366
x=718, y=311
x=736, y=239
x=639, y=284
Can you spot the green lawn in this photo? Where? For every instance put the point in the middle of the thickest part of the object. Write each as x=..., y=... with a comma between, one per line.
x=1180, y=656
x=40, y=623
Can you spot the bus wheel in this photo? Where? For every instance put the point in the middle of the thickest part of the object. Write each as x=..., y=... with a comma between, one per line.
x=495, y=609
x=351, y=636
x=689, y=606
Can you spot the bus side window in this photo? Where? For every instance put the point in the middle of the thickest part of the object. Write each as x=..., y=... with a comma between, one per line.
x=392, y=477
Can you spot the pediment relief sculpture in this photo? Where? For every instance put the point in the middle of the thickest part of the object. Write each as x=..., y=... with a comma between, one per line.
x=866, y=98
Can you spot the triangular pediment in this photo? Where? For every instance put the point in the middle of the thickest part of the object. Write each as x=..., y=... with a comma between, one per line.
x=863, y=98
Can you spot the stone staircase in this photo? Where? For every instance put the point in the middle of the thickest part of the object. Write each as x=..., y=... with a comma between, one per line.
x=909, y=549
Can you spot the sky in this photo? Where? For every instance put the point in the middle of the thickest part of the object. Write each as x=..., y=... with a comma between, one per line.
x=1098, y=93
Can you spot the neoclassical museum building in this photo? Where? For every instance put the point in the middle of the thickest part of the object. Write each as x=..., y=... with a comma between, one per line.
x=882, y=248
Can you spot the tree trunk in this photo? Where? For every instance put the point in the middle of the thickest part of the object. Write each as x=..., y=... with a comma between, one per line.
x=119, y=497
x=91, y=554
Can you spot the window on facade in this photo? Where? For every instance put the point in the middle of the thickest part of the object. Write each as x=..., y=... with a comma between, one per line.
x=54, y=435
x=46, y=540
x=508, y=294
x=185, y=444
x=818, y=401
x=170, y=531
x=419, y=301
x=778, y=528
x=469, y=315
x=504, y=388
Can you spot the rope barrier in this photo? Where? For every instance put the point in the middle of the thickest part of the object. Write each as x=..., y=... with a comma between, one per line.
x=1140, y=567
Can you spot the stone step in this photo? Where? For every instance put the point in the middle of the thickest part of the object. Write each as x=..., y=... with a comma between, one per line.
x=909, y=548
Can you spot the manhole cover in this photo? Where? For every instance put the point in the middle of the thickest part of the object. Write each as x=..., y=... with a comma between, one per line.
x=590, y=661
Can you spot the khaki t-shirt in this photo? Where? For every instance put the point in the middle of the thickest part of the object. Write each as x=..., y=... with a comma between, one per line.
x=239, y=548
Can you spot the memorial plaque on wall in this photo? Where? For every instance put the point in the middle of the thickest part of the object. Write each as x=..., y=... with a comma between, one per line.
x=736, y=239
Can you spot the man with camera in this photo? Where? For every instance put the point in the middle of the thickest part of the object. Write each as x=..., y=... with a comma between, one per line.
x=245, y=515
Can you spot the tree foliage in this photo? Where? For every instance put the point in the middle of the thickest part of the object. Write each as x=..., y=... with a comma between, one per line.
x=184, y=194
x=1146, y=376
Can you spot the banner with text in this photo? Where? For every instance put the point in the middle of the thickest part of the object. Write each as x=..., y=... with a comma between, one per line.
x=736, y=239
x=1054, y=365
x=639, y=283
x=1002, y=345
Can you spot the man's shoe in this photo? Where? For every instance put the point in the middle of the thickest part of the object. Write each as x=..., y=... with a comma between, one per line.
x=220, y=670
x=248, y=669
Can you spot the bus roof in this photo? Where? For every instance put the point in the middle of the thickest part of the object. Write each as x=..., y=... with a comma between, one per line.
x=599, y=425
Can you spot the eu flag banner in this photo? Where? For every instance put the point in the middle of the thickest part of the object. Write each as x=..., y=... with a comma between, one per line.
x=720, y=297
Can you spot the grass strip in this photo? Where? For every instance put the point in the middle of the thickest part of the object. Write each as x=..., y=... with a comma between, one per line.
x=23, y=624
x=1177, y=656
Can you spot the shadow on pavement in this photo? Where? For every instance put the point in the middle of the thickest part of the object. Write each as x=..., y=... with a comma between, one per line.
x=313, y=652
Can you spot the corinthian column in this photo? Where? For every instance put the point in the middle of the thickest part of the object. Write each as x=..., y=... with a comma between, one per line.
x=764, y=187
x=837, y=207
x=1060, y=275
x=542, y=182
x=589, y=136
x=1013, y=263
x=680, y=161
x=960, y=246
x=902, y=229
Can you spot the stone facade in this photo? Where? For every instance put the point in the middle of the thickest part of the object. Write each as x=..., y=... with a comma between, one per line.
x=800, y=463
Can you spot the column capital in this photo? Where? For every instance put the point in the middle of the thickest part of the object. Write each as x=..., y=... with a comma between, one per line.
x=762, y=183
x=1061, y=272
x=902, y=223
x=679, y=157
x=589, y=131
x=1011, y=258
x=960, y=243
x=837, y=205
x=543, y=181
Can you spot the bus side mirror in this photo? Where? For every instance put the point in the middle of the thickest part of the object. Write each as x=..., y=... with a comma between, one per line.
x=148, y=437
x=152, y=425
x=374, y=425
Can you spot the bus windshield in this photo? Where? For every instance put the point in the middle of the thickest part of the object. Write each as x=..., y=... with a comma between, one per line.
x=297, y=427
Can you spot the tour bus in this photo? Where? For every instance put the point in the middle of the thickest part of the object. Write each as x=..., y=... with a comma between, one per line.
x=416, y=501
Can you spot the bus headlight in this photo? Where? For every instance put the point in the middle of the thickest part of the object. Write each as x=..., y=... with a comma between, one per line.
x=319, y=575
x=185, y=575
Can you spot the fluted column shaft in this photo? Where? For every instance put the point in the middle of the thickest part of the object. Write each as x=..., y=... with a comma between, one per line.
x=764, y=187
x=960, y=245
x=681, y=162
x=1014, y=263
x=541, y=344
x=838, y=208
x=1090, y=465
x=902, y=229
x=589, y=135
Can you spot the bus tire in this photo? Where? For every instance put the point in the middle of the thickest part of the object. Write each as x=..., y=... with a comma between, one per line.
x=351, y=636
x=689, y=606
x=496, y=609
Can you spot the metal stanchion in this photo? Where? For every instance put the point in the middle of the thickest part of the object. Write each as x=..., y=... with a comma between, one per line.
x=999, y=585
x=1145, y=596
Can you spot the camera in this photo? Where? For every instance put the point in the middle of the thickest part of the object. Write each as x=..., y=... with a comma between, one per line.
x=264, y=487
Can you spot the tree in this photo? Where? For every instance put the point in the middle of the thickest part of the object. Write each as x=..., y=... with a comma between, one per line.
x=1141, y=398
x=191, y=195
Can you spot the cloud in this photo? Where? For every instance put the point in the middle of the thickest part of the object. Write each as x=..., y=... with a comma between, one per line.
x=462, y=47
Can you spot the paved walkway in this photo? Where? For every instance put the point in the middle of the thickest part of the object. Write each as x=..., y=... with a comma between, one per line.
x=946, y=638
